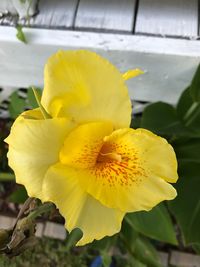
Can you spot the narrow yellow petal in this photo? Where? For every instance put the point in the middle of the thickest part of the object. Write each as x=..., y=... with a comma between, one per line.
x=34, y=145
x=34, y=114
x=79, y=209
x=132, y=74
x=86, y=87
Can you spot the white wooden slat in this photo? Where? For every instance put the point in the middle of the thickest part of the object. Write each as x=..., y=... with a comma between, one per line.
x=9, y=20
x=15, y=7
x=184, y=259
x=138, y=107
x=55, y=230
x=5, y=93
x=164, y=258
x=39, y=229
x=4, y=96
x=25, y=7
x=112, y=15
x=168, y=18
x=55, y=14
x=6, y=222
x=199, y=25
x=169, y=64
x=7, y=6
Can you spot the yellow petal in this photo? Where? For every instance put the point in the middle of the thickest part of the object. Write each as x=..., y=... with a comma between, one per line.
x=82, y=145
x=132, y=74
x=160, y=155
x=34, y=114
x=135, y=178
x=82, y=85
x=79, y=209
x=34, y=145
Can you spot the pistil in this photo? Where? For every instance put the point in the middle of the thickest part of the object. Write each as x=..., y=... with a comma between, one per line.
x=112, y=156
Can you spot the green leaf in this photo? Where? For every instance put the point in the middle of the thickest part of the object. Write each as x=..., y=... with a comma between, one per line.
x=16, y=105
x=159, y=117
x=104, y=244
x=106, y=259
x=187, y=149
x=146, y=253
x=20, y=34
x=138, y=247
x=73, y=237
x=184, y=103
x=19, y=195
x=129, y=235
x=186, y=206
x=189, y=112
x=155, y=224
x=195, y=86
x=136, y=263
x=196, y=248
x=31, y=98
x=135, y=122
x=162, y=119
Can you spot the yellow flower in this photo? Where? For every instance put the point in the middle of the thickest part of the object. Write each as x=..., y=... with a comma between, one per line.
x=85, y=158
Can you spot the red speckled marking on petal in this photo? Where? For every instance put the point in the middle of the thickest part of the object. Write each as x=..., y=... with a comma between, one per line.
x=125, y=173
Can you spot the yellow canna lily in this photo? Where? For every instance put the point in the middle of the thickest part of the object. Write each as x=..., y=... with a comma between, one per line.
x=84, y=157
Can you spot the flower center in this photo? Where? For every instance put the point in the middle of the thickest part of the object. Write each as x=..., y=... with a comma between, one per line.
x=84, y=144
x=107, y=155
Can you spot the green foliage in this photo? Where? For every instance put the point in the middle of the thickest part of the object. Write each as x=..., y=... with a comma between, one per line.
x=16, y=105
x=106, y=259
x=162, y=122
x=19, y=196
x=73, y=238
x=196, y=248
x=155, y=224
x=186, y=207
x=189, y=112
x=48, y=253
x=162, y=119
x=129, y=235
x=31, y=98
x=20, y=34
x=146, y=252
x=140, y=249
x=187, y=149
x=195, y=86
x=181, y=125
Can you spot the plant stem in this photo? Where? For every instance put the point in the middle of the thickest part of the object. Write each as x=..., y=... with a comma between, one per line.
x=38, y=99
x=6, y=176
x=75, y=235
x=23, y=209
x=45, y=208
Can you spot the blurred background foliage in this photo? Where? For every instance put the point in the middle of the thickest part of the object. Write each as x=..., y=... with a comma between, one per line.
x=170, y=225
